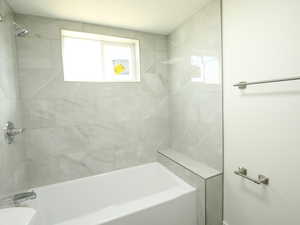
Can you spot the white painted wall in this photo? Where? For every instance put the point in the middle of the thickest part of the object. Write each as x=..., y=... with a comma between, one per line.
x=262, y=123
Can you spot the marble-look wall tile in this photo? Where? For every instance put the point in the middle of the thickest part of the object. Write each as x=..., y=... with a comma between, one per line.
x=13, y=174
x=195, y=86
x=76, y=129
x=214, y=202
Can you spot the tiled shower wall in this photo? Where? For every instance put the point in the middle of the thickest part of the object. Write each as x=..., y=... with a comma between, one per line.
x=80, y=129
x=196, y=86
x=12, y=157
x=77, y=129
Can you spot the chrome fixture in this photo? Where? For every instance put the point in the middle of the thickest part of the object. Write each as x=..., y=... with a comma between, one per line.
x=23, y=197
x=20, y=31
x=10, y=132
x=244, y=84
x=17, y=199
x=243, y=173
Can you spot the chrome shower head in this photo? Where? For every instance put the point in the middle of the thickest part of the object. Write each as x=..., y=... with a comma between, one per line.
x=20, y=31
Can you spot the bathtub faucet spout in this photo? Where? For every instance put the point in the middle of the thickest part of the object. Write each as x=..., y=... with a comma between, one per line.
x=23, y=197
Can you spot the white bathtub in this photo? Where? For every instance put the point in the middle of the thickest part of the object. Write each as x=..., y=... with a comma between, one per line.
x=142, y=195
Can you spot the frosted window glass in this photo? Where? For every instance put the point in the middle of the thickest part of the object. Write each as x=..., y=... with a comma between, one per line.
x=82, y=60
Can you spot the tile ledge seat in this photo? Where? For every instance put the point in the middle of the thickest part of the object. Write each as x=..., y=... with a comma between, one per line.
x=196, y=167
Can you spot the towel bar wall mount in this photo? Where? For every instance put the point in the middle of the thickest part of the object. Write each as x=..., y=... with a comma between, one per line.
x=261, y=178
x=244, y=84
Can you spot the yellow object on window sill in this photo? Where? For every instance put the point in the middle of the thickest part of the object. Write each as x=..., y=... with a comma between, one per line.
x=119, y=68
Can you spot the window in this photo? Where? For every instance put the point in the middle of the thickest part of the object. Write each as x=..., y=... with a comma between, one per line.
x=99, y=58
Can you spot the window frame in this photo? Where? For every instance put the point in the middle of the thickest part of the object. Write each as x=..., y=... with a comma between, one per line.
x=133, y=44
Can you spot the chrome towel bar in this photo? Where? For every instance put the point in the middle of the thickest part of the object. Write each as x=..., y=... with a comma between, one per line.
x=244, y=84
x=243, y=173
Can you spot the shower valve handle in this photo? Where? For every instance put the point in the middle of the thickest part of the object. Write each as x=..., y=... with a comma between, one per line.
x=10, y=132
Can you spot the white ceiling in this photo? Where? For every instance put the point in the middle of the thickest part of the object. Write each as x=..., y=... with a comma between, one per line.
x=157, y=16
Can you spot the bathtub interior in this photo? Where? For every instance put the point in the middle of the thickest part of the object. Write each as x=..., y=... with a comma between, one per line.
x=111, y=195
